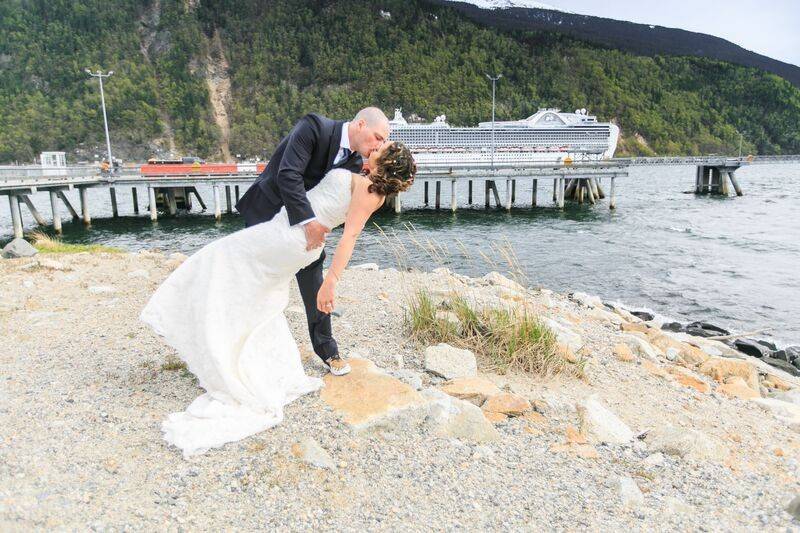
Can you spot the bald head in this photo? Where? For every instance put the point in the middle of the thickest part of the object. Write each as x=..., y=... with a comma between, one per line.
x=368, y=130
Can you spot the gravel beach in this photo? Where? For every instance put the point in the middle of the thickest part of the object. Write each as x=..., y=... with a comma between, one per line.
x=84, y=387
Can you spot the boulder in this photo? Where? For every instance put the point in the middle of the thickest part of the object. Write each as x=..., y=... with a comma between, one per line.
x=645, y=316
x=624, y=313
x=474, y=390
x=409, y=377
x=367, y=398
x=508, y=404
x=752, y=348
x=629, y=493
x=449, y=362
x=788, y=354
x=794, y=507
x=641, y=327
x=564, y=335
x=787, y=367
x=687, y=379
x=601, y=424
x=685, y=443
x=586, y=300
x=736, y=387
x=704, y=329
x=624, y=353
x=19, y=248
x=720, y=369
x=495, y=278
x=784, y=411
x=52, y=264
x=792, y=396
x=672, y=326
x=451, y=417
x=641, y=347
x=310, y=452
x=774, y=382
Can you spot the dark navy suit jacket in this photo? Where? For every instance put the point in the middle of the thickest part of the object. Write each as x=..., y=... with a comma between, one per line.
x=299, y=163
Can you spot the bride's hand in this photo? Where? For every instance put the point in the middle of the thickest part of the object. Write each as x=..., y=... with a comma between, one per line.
x=325, y=296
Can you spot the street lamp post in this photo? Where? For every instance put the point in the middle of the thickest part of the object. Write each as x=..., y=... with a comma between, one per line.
x=494, y=82
x=99, y=75
x=740, y=145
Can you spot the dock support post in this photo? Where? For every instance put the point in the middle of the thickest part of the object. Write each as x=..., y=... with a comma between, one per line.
x=486, y=191
x=723, y=181
x=453, y=197
x=698, y=179
x=397, y=204
x=612, y=203
x=735, y=183
x=589, y=191
x=217, y=206
x=561, y=189
x=496, y=193
x=509, y=195
x=135, y=196
x=151, y=196
x=114, y=210
x=199, y=198
x=555, y=190
x=16, y=216
x=172, y=205
x=71, y=209
x=534, y=190
x=87, y=219
x=469, y=192
x=56, y=214
x=438, y=194
x=236, y=193
x=228, y=199
x=425, y=199
x=32, y=208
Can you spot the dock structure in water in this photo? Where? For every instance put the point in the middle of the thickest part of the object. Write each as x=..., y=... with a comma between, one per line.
x=583, y=181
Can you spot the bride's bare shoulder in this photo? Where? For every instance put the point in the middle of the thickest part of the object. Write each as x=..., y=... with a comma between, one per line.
x=360, y=187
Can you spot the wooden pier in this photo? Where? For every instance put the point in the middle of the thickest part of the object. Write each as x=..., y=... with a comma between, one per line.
x=579, y=182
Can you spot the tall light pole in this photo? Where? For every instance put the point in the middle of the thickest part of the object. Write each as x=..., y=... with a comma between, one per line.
x=99, y=75
x=740, y=145
x=494, y=82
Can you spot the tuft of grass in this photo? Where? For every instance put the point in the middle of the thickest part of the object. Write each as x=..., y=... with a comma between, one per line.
x=172, y=364
x=505, y=339
x=48, y=244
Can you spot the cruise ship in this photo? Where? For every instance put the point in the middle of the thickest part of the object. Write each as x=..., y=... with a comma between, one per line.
x=548, y=136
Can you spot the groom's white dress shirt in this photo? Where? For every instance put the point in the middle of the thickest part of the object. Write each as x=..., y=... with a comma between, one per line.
x=343, y=153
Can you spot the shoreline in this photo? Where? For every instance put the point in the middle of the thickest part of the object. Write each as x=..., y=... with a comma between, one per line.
x=87, y=387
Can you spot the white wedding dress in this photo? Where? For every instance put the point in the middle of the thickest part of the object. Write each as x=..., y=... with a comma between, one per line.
x=222, y=310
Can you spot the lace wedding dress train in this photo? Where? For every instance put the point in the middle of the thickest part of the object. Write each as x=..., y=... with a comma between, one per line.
x=222, y=311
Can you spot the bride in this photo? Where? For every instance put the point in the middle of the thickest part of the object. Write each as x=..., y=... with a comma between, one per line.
x=222, y=309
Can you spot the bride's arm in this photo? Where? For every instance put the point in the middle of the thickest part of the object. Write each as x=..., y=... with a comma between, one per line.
x=362, y=206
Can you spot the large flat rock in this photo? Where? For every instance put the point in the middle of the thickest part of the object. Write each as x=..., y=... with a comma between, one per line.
x=367, y=397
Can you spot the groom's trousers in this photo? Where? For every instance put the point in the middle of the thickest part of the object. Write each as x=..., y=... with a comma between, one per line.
x=309, y=280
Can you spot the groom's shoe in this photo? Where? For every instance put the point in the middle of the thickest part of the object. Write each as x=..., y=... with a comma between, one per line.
x=337, y=366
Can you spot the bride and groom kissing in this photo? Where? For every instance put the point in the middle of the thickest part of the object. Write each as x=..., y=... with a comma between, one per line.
x=222, y=309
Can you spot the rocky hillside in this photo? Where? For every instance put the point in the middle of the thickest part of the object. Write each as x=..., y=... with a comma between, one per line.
x=218, y=78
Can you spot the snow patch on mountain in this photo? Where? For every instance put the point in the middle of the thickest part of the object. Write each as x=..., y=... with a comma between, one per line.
x=506, y=4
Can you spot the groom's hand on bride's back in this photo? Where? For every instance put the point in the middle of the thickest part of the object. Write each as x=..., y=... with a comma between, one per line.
x=315, y=234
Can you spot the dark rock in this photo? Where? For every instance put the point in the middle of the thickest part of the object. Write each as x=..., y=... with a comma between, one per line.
x=783, y=365
x=672, y=326
x=19, y=248
x=770, y=345
x=644, y=315
x=704, y=329
x=752, y=348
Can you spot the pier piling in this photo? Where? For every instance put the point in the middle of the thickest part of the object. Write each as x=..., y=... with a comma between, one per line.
x=172, y=204
x=534, y=190
x=135, y=196
x=469, y=192
x=56, y=214
x=114, y=211
x=438, y=200
x=151, y=196
x=228, y=203
x=217, y=206
x=735, y=183
x=87, y=219
x=16, y=215
x=425, y=199
x=72, y=210
x=453, y=198
x=32, y=208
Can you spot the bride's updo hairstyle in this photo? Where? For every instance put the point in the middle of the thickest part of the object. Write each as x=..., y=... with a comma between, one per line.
x=394, y=172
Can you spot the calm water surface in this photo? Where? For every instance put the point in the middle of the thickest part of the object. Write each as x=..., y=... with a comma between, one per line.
x=731, y=261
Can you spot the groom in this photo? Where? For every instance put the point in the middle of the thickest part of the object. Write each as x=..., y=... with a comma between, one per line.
x=315, y=145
